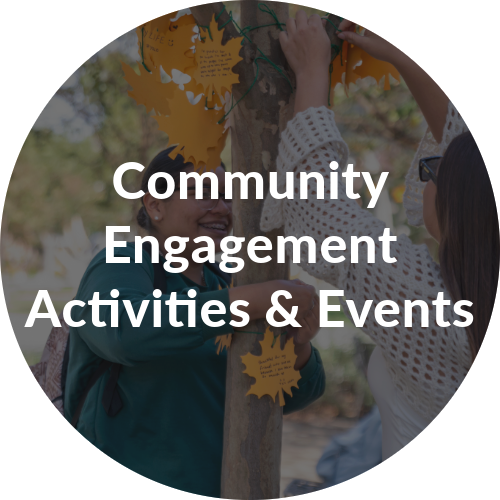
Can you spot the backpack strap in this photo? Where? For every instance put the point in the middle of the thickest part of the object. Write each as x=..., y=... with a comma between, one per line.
x=98, y=373
x=160, y=278
x=111, y=399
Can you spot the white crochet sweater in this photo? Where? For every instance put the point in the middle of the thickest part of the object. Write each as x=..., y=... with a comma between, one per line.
x=426, y=364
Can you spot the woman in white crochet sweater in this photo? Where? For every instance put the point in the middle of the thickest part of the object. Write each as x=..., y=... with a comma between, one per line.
x=414, y=371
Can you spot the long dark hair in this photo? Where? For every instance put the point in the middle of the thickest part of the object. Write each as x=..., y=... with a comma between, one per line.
x=469, y=249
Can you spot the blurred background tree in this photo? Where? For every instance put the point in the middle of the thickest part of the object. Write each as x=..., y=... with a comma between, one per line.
x=91, y=126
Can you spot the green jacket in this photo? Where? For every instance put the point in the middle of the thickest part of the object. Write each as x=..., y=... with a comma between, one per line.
x=172, y=381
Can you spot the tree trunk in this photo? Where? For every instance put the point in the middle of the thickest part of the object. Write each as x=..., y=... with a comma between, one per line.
x=253, y=427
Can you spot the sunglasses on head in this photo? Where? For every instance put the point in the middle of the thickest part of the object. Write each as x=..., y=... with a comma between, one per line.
x=427, y=168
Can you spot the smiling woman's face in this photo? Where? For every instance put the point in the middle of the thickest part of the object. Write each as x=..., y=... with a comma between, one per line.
x=185, y=218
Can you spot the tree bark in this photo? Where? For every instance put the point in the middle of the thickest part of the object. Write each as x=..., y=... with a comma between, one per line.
x=253, y=427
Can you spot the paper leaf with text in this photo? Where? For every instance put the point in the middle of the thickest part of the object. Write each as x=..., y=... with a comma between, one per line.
x=273, y=370
x=163, y=43
x=214, y=61
x=185, y=81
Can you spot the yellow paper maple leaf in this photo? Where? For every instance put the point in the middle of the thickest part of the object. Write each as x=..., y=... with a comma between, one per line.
x=176, y=51
x=150, y=37
x=192, y=127
x=273, y=370
x=224, y=340
x=159, y=45
x=182, y=21
x=214, y=61
x=354, y=63
x=214, y=154
x=159, y=24
x=366, y=65
x=147, y=90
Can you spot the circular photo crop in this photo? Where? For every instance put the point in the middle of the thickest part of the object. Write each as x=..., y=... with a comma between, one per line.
x=250, y=250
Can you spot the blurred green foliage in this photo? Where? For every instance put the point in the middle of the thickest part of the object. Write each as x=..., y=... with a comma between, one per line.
x=347, y=388
x=68, y=177
x=59, y=175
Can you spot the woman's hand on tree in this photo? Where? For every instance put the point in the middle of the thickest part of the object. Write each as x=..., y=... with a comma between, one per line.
x=302, y=336
x=374, y=45
x=306, y=45
x=309, y=325
x=432, y=100
x=302, y=297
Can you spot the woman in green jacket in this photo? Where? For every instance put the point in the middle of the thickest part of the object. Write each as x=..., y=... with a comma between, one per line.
x=172, y=381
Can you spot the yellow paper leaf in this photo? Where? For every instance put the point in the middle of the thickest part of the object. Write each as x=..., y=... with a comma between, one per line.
x=354, y=63
x=150, y=37
x=160, y=24
x=192, y=127
x=182, y=21
x=176, y=50
x=192, y=85
x=214, y=61
x=273, y=370
x=373, y=67
x=162, y=45
x=147, y=90
x=214, y=154
x=224, y=340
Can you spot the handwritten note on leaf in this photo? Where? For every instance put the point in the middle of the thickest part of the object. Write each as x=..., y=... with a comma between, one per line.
x=214, y=61
x=169, y=48
x=273, y=370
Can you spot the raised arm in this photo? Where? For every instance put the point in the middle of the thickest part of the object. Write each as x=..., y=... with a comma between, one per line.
x=130, y=345
x=443, y=120
x=309, y=144
x=307, y=49
x=429, y=96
